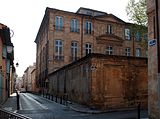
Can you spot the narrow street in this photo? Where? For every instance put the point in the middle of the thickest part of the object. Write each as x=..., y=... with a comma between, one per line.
x=31, y=106
x=37, y=107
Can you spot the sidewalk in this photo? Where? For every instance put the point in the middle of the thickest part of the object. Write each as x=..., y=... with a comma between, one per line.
x=11, y=103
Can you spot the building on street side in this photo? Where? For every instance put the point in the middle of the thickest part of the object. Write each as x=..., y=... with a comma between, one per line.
x=153, y=11
x=65, y=37
x=29, y=79
x=7, y=69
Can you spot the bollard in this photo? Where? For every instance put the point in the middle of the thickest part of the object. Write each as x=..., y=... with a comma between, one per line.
x=66, y=100
x=56, y=98
x=60, y=99
x=43, y=93
x=18, y=107
x=46, y=95
x=139, y=109
x=49, y=96
x=52, y=97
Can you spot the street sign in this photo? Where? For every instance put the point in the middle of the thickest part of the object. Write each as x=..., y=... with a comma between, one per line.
x=152, y=42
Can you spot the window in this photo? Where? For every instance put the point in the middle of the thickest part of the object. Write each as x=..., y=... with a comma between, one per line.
x=138, y=52
x=109, y=50
x=74, y=50
x=109, y=29
x=128, y=51
x=59, y=23
x=88, y=27
x=146, y=37
x=88, y=48
x=58, y=49
x=74, y=25
x=127, y=34
x=138, y=36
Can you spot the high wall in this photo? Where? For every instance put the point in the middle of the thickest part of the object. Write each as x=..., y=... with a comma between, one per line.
x=103, y=81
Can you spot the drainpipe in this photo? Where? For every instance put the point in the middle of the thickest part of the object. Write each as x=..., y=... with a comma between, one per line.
x=82, y=36
x=157, y=34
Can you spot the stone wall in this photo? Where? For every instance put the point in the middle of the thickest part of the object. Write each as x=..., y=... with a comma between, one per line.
x=103, y=81
x=119, y=82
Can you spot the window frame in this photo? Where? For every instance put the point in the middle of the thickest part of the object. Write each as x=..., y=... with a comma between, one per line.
x=128, y=51
x=138, y=52
x=88, y=27
x=74, y=25
x=127, y=34
x=138, y=36
x=109, y=29
x=74, y=50
x=59, y=23
x=88, y=48
x=109, y=50
x=58, y=51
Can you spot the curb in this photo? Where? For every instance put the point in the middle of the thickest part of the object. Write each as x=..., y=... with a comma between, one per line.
x=98, y=111
x=88, y=112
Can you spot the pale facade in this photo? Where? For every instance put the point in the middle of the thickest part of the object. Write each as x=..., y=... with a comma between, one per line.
x=28, y=78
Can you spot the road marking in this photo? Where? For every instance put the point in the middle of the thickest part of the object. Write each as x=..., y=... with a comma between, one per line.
x=44, y=107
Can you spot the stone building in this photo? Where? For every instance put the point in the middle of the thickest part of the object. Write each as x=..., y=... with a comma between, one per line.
x=65, y=37
x=103, y=81
x=153, y=11
x=29, y=78
x=33, y=78
x=7, y=68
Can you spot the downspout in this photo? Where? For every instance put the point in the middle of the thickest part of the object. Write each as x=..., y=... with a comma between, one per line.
x=81, y=36
x=157, y=34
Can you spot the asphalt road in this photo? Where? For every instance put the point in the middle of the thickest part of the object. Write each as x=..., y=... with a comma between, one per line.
x=38, y=107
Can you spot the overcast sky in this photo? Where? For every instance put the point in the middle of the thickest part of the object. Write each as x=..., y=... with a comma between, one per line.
x=25, y=16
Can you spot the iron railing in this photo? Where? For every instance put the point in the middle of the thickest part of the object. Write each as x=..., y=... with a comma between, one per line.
x=4, y=114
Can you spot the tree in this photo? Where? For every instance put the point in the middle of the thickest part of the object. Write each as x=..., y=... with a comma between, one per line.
x=137, y=12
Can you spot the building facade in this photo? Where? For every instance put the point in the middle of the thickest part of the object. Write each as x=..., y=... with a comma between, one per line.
x=29, y=79
x=64, y=37
x=7, y=69
x=153, y=12
x=33, y=78
x=103, y=81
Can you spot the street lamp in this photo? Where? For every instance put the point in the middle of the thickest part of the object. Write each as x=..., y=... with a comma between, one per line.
x=17, y=64
x=10, y=48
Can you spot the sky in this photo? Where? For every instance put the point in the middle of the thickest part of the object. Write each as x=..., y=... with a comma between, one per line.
x=24, y=17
